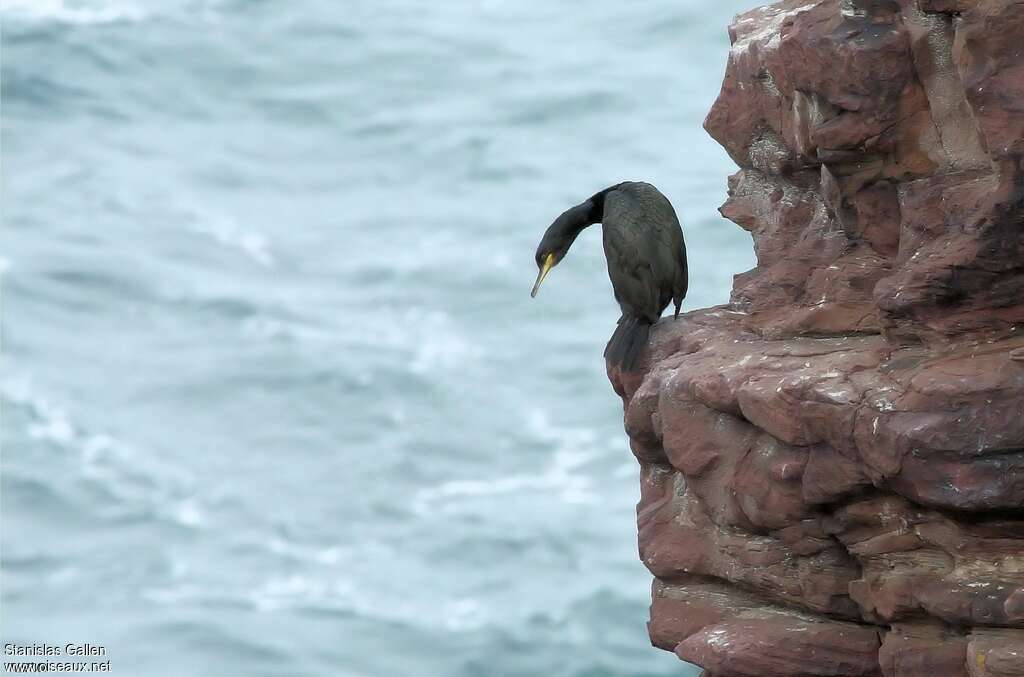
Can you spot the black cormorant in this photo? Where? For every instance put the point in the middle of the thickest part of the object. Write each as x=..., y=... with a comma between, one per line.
x=643, y=244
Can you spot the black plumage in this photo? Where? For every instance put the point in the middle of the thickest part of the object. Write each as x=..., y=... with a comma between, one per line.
x=643, y=244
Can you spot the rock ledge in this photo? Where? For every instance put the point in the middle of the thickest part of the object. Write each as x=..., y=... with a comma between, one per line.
x=833, y=464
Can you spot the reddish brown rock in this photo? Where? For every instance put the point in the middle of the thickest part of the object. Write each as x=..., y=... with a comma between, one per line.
x=923, y=649
x=996, y=653
x=783, y=644
x=833, y=464
x=735, y=633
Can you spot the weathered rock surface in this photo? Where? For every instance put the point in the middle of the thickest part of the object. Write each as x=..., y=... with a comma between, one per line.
x=833, y=464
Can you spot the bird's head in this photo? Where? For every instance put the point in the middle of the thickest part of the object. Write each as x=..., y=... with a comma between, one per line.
x=555, y=245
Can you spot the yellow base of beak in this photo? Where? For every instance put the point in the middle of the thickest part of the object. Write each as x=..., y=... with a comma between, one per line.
x=549, y=263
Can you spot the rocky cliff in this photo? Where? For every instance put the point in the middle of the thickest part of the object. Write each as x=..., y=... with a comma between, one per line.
x=833, y=464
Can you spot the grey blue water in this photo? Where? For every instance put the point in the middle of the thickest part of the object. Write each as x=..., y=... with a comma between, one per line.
x=276, y=400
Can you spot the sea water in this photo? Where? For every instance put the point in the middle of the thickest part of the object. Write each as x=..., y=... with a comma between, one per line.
x=276, y=400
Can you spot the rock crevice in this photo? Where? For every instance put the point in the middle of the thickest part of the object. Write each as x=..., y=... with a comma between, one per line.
x=833, y=463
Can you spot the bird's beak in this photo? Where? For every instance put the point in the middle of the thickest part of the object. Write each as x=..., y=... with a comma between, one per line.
x=549, y=263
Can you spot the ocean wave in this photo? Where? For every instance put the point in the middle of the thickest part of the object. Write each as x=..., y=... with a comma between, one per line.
x=46, y=420
x=297, y=590
x=333, y=594
x=440, y=346
x=426, y=341
x=234, y=643
x=137, y=483
x=286, y=329
x=226, y=232
x=78, y=13
x=564, y=475
x=304, y=553
x=278, y=593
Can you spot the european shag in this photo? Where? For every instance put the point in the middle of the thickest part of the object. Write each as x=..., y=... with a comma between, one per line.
x=646, y=255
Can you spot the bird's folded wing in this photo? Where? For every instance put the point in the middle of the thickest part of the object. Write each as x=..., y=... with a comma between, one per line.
x=635, y=285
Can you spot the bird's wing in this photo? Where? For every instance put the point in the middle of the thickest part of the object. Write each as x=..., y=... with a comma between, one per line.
x=633, y=280
x=670, y=258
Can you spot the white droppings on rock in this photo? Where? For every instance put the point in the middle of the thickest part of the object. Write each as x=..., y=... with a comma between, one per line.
x=764, y=27
x=718, y=639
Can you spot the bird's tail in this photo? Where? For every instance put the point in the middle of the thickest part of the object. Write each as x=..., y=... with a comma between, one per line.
x=627, y=342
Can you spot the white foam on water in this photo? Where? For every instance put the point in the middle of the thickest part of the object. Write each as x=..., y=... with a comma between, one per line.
x=463, y=615
x=328, y=591
x=285, y=592
x=563, y=475
x=48, y=421
x=78, y=13
x=226, y=232
x=439, y=345
x=188, y=513
x=304, y=553
x=134, y=480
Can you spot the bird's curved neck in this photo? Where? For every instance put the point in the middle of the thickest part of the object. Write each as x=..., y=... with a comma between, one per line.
x=587, y=213
x=575, y=219
x=597, y=202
